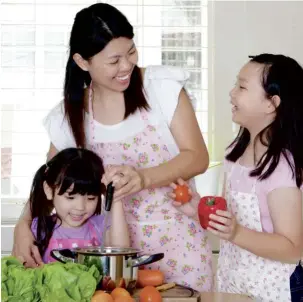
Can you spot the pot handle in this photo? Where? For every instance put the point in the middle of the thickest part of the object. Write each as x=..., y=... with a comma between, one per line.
x=63, y=255
x=144, y=259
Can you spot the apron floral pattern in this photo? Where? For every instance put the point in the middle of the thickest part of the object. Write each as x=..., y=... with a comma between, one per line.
x=155, y=225
x=240, y=271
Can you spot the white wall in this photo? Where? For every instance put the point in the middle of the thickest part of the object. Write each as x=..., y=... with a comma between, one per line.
x=242, y=28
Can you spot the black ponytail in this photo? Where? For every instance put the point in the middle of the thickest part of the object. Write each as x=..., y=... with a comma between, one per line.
x=75, y=81
x=41, y=209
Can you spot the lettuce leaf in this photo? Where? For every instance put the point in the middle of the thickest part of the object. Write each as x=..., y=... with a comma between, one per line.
x=68, y=282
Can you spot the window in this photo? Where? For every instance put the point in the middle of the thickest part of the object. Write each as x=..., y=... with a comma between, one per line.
x=34, y=37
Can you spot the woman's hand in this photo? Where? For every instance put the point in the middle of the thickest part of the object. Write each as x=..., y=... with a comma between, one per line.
x=188, y=208
x=223, y=225
x=24, y=248
x=126, y=179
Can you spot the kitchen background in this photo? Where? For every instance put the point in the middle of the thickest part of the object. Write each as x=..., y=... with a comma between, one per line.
x=212, y=39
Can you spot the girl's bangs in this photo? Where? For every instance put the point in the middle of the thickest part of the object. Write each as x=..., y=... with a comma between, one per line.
x=82, y=178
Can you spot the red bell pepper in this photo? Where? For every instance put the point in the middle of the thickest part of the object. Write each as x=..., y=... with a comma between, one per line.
x=209, y=205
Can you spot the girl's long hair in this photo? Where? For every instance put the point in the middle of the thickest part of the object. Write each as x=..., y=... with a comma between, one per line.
x=282, y=76
x=82, y=169
x=94, y=27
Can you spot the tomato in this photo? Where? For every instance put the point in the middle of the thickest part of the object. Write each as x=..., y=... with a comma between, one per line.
x=122, y=283
x=119, y=292
x=150, y=277
x=150, y=294
x=101, y=296
x=182, y=194
x=209, y=205
x=124, y=299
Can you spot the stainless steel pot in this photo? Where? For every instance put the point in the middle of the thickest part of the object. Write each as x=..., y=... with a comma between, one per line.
x=113, y=263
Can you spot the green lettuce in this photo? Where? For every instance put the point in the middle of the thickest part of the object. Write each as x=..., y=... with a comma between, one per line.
x=68, y=282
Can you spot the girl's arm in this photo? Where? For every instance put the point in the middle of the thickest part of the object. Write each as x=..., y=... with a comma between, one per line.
x=118, y=234
x=284, y=244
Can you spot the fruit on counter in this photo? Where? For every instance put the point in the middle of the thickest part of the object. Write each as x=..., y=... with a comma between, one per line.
x=108, y=284
x=209, y=205
x=182, y=194
x=124, y=299
x=111, y=285
x=121, y=283
x=119, y=292
x=150, y=294
x=104, y=282
x=150, y=277
x=101, y=296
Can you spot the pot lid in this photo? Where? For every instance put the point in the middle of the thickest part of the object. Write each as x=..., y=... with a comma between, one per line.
x=106, y=251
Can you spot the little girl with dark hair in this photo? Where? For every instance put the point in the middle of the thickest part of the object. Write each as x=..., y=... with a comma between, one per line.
x=65, y=203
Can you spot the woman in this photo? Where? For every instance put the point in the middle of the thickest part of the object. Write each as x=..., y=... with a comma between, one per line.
x=143, y=126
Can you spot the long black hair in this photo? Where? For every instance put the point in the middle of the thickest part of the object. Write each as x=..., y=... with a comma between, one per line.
x=80, y=168
x=94, y=27
x=282, y=76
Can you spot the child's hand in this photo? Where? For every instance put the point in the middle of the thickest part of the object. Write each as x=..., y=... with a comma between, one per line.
x=188, y=209
x=223, y=225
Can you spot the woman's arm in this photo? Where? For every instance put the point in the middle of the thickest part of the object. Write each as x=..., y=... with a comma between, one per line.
x=192, y=160
x=193, y=157
x=118, y=234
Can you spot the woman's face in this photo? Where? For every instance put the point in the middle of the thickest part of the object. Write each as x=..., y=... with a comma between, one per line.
x=112, y=67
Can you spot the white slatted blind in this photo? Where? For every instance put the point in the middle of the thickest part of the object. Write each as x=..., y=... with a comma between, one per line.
x=33, y=39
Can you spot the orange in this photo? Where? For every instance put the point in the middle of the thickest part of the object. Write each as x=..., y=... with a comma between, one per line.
x=119, y=292
x=124, y=299
x=101, y=296
x=150, y=294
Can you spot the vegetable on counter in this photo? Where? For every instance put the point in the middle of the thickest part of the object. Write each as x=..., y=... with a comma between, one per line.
x=209, y=205
x=150, y=277
x=101, y=296
x=182, y=194
x=56, y=281
x=117, y=295
x=119, y=292
x=150, y=294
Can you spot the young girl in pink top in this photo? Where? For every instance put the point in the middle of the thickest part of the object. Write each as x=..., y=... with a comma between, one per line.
x=261, y=231
x=70, y=184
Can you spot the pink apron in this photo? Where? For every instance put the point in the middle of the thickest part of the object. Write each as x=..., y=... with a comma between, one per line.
x=242, y=272
x=155, y=225
x=70, y=243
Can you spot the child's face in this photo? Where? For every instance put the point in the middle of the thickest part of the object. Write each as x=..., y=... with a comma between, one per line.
x=251, y=109
x=75, y=209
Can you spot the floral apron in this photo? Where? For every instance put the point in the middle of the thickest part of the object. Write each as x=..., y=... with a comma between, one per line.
x=70, y=243
x=155, y=225
x=242, y=272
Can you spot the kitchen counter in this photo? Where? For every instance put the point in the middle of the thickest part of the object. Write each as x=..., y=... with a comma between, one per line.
x=182, y=294
x=223, y=297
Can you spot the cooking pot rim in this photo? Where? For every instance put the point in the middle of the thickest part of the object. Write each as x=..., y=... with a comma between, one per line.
x=106, y=251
